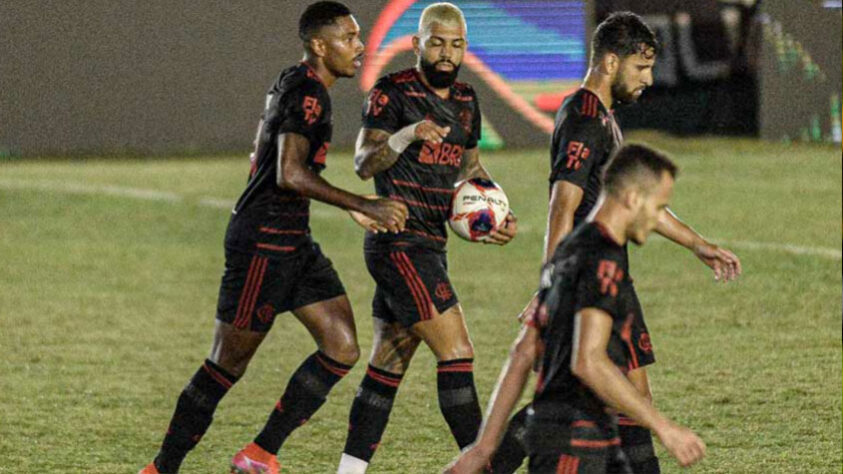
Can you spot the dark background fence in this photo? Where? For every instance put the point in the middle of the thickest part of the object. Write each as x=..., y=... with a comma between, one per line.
x=155, y=77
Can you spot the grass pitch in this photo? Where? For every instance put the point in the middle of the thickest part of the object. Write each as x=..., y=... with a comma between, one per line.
x=110, y=271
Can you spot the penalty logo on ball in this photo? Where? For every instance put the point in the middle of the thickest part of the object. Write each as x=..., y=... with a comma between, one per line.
x=478, y=208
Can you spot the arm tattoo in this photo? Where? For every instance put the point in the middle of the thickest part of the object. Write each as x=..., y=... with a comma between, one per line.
x=471, y=166
x=373, y=153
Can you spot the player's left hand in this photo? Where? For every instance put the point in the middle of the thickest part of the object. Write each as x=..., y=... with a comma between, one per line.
x=365, y=221
x=505, y=233
x=726, y=265
x=471, y=461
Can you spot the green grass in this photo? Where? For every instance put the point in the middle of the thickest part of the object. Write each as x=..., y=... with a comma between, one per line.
x=107, y=304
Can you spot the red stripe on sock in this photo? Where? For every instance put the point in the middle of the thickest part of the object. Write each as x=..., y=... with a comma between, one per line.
x=217, y=376
x=339, y=371
x=466, y=367
x=392, y=382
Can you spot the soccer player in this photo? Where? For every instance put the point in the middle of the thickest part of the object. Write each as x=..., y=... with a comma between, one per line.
x=273, y=264
x=419, y=137
x=582, y=334
x=585, y=136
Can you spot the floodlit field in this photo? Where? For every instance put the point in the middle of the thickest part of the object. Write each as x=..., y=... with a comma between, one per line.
x=109, y=284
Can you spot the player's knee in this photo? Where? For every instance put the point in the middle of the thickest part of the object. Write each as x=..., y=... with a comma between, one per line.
x=460, y=350
x=343, y=348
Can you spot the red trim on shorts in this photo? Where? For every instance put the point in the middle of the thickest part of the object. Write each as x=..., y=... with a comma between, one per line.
x=339, y=371
x=392, y=382
x=241, y=304
x=217, y=376
x=591, y=443
x=251, y=291
x=276, y=248
x=409, y=184
x=408, y=280
x=415, y=274
x=270, y=230
x=567, y=464
x=583, y=424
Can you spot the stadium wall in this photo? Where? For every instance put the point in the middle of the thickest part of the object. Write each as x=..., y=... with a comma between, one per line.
x=156, y=77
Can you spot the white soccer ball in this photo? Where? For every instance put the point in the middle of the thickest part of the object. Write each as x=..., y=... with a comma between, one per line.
x=478, y=208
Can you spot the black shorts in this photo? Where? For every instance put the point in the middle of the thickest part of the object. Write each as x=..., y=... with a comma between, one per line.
x=255, y=288
x=642, y=347
x=602, y=461
x=577, y=446
x=410, y=282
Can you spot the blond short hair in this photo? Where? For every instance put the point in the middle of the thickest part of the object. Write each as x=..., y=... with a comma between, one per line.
x=444, y=13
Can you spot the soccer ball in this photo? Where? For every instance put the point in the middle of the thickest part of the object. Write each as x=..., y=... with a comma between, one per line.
x=478, y=208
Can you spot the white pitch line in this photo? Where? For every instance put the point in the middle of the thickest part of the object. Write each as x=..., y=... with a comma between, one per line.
x=78, y=188
x=825, y=252
x=321, y=212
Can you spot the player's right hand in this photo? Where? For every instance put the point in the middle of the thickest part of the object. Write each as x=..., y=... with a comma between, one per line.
x=429, y=131
x=388, y=213
x=682, y=443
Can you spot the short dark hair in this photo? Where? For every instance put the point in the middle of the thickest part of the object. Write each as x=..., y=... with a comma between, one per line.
x=637, y=165
x=320, y=14
x=622, y=33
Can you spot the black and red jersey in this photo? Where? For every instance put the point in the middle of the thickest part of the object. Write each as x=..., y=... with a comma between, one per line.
x=424, y=176
x=267, y=218
x=588, y=270
x=584, y=137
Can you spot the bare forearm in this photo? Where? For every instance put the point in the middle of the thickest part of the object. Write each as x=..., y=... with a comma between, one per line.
x=474, y=170
x=506, y=395
x=672, y=228
x=558, y=226
x=607, y=381
x=313, y=186
x=373, y=159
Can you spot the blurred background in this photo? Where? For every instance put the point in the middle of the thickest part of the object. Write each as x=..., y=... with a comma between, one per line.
x=188, y=77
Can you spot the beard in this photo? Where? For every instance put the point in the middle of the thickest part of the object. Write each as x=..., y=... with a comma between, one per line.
x=439, y=79
x=622, y=96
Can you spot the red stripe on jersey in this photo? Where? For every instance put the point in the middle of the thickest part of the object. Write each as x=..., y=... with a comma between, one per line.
x=415, y=274
x=591, y=443
x=583, y=424
x=276, y=248
x=409, y=184
x=418, y=204
x=622, y=420
x=414, y=290
x=270, y=230
x=426, y=234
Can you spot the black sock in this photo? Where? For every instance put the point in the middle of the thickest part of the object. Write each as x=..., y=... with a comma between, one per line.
x=458, y=399
x=194, y=413
x=370, y=412
x=306, y=392
x=511, y=452
x=637, y=444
